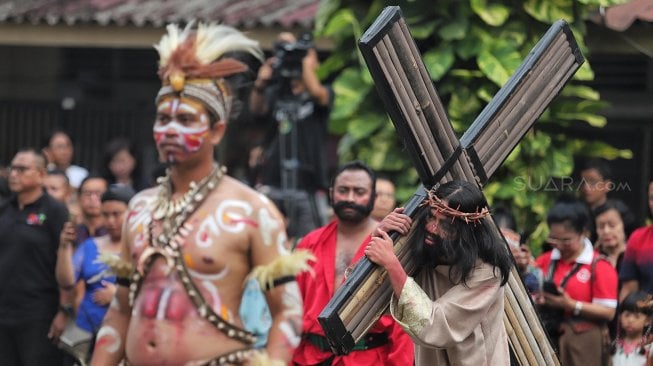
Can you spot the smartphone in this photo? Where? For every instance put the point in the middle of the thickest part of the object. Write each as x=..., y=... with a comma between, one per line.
x=551, y=288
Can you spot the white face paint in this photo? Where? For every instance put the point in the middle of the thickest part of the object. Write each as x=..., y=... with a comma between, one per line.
x=109, y=335
x=267, y=225
x=181, y=129
x=171, y=132
x=231, y=216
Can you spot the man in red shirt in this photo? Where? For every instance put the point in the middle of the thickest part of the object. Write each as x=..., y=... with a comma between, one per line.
x=338, y=245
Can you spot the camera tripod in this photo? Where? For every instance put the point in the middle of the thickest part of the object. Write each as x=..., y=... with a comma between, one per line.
x=297, y=202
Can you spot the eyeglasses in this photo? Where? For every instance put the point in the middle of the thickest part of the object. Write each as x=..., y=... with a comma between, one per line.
x=20, y=169
x=562, y=241
x=91, y=193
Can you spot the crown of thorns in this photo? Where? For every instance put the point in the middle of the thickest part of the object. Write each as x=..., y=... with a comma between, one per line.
x=440, y=206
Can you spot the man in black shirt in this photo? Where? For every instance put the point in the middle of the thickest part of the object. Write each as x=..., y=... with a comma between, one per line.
x=31, y=318
x=295, y=106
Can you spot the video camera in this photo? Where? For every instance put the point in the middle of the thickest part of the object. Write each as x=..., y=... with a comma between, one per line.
x=289, y=56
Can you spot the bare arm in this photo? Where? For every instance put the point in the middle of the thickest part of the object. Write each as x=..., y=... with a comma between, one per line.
x=284, y=301
x=64, y=268
x=588, y=309
x=380, y=251
x=628, y=287
x=318, y=92
x=110, y=340
x=258, y=103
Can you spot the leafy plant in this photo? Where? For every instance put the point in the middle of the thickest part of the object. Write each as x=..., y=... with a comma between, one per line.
x=470, y=49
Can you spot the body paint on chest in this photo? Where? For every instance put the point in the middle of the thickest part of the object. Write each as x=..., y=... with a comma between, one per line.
x=231, y=216
x=139, y=218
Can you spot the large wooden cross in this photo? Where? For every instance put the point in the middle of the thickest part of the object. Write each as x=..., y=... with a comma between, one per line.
x=419, y=117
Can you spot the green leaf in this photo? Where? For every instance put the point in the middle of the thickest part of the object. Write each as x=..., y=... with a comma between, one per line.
x=362, y=127
x=473, y=43
x=561, y=163
x=454, y=30
x=349, y=90
x=580, y=91
x=499, y=63
x=471, y=48
x=422, y=30
x=325, y=9
x=341, y=21
x=438, y=61
x=601, y=149
x=548, y=11
x=463, y=105
x=492, y=14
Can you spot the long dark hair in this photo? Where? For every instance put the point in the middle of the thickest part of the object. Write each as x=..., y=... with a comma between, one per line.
x=112, y=148
x=477, y=240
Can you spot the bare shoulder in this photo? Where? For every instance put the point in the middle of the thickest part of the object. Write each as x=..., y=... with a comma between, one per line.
x=143, y=197
x=235, y=189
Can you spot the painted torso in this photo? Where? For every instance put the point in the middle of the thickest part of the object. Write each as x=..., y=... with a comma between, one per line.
x=165, y=326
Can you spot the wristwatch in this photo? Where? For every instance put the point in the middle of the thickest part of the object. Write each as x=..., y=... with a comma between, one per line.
x=578, y=307
x=67, y=309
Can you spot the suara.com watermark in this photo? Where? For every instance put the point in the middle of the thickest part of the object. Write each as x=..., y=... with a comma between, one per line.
x=566, y=184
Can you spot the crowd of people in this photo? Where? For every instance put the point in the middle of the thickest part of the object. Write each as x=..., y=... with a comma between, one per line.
x=201, y=268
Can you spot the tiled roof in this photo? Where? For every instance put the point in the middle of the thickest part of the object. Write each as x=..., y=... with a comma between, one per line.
x=156, y=13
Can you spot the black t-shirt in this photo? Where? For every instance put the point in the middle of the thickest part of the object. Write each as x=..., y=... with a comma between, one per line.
x=311, y=136
x=28, y=255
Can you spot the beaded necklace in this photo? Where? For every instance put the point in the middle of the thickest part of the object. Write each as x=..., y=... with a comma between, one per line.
x=174, y=229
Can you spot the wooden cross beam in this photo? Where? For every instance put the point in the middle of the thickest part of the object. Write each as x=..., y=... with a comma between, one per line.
x=419, y=117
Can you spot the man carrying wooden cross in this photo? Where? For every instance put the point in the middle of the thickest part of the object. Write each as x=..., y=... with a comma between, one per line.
x=439, y=156
x=452, y=308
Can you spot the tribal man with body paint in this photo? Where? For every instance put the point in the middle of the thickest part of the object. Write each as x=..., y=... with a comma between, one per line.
x=194, y=240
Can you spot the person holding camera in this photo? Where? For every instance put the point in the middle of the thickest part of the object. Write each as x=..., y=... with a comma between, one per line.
x=293, y=106
x=579, y=289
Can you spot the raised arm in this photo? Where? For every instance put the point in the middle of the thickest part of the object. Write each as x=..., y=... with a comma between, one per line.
x=65, y=270
x=110, y=340
x=318, y=92
x=258, y=103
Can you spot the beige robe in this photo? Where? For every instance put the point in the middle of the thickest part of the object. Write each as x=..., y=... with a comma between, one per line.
x=454, y=324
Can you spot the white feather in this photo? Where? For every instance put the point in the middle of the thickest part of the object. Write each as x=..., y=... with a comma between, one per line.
x=213, y=41
x=170, y=41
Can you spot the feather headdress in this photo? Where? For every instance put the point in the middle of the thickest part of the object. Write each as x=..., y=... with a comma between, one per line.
x=192, y=63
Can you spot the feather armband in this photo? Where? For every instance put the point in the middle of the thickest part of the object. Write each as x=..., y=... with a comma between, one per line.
x=283, y=269
x=261, y=358
x=121, y=268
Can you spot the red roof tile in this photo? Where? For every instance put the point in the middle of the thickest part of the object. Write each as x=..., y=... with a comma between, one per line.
x=238, y=13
